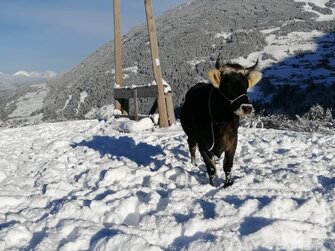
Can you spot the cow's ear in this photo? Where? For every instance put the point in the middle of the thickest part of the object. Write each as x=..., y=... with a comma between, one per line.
x=254, y=77
x=215, y=77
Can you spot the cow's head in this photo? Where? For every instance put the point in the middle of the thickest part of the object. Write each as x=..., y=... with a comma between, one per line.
x=233, y=81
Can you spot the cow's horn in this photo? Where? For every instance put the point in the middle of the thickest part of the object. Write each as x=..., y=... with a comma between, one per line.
x=252, y=67
x=217, y=64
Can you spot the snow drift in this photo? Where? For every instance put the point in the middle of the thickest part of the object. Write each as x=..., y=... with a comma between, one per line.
x=88, y=185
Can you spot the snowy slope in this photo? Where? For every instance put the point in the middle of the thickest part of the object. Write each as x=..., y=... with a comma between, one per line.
x=89, y=185
x=22, y=94
x=293, y=40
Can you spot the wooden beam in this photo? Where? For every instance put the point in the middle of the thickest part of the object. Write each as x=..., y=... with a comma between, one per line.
x=142, y=92
x=163, y=119
x=118, y=50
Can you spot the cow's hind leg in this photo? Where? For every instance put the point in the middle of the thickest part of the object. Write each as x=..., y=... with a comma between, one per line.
x=210, y=165
x=192, y=148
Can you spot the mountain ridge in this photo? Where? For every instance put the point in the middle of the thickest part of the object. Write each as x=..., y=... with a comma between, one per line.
x=179, y=42
x=190, y=37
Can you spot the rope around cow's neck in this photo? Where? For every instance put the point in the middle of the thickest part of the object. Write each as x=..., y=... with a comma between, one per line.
x=231, y=100
x=212, y=120
x=210, y=111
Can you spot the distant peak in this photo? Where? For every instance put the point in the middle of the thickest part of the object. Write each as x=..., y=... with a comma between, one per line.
x=22, y=73
x=35, y=74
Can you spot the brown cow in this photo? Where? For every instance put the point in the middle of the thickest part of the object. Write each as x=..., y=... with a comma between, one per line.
x=211, y=112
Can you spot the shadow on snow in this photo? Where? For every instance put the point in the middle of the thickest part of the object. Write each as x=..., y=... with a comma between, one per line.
x=141, y=153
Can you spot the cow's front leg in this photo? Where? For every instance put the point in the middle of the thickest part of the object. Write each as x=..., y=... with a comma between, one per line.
x=227, y=166
x=210, y=165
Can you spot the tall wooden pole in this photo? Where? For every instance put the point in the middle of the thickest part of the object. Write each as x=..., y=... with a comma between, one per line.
x=117, y=49
x=163, y=119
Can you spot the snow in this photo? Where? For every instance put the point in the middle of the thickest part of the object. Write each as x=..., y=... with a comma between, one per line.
x=22, y=78
x=88, y=185
x=270, y=30
x=225, y=35
x=35, y=74
x=66, y=103
x=30, y=102
x=282, y=47
x=83, y=95
x=319, y=3
x=132, y=69
x=195, y=62
x=105, y=112
x=126, y=125
x=22, y=73
x=166, y=87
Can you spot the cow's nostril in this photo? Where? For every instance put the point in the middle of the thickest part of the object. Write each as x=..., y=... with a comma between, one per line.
x=244, y=110
x=247, y=109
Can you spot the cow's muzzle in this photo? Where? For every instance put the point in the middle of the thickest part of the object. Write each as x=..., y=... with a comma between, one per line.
x=244, y=110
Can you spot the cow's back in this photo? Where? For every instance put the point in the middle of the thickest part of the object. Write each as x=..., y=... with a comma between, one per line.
x=194, y=115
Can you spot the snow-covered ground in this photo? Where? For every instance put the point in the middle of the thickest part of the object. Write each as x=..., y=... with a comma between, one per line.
x=89, y=185
x=308, y=6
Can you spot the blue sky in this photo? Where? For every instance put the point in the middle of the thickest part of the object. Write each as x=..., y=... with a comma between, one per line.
x=39, y=35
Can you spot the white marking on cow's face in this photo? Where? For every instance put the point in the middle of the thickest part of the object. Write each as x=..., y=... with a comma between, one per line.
x=244, y=110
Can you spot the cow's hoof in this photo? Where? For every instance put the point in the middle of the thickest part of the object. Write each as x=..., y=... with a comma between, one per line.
x=228, y=183
x=211, y=181
x=193, y=161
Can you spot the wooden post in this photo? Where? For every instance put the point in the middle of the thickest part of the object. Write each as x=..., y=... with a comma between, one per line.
x=135, y=103
x=170, y=108
x=163, y=119
x=118, y=50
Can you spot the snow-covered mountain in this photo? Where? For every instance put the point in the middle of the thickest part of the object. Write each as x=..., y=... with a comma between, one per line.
x=22, y=93
x=24, y=77
x=293, y=39
x=125, y=185
x=35, y=74
x=10, y=83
